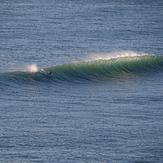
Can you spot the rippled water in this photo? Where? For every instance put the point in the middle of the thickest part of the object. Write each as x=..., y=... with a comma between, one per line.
x=103, y=100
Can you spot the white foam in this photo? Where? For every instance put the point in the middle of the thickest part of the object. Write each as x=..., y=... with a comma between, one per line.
x=32, y=68
x=113, y=55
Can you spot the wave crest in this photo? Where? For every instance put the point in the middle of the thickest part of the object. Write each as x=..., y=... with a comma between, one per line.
x=114, y=55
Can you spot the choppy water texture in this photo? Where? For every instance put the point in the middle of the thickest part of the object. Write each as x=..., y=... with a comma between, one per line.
x=102, y=101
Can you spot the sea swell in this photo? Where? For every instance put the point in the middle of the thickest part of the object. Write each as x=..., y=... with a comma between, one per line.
x=93, y=71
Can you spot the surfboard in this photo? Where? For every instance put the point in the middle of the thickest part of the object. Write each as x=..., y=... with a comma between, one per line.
x=44, y=72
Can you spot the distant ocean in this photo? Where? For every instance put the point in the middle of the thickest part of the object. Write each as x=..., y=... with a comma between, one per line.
x=81, y=81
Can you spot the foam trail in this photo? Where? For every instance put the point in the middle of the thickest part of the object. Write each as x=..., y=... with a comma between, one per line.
x=32, y=68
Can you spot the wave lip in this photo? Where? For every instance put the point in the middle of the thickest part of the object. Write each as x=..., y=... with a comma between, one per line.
x=114, y=55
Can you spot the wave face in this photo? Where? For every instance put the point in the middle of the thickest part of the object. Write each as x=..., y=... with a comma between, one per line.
x=94, y=71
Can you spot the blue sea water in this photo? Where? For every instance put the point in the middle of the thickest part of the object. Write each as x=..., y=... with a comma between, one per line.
x=103, y=102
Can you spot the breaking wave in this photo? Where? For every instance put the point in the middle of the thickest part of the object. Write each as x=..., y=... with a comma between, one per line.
x=95, y=71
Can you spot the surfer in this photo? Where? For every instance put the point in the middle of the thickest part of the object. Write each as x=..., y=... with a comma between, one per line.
x=49, y=73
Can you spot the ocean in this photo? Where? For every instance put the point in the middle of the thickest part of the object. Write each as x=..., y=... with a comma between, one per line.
x=81, y=81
